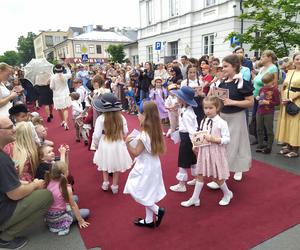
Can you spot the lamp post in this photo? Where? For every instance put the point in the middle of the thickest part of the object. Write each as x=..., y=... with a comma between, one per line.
x=242, y=20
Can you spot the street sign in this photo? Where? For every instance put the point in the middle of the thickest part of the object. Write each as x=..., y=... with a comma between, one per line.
x=84, y=49
x=84, y=57
x=157, y=45
x=234, y=41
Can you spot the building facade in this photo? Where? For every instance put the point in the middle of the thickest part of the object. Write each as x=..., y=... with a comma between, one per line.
x=45, y=41
x=89, y=47
x=186, y=27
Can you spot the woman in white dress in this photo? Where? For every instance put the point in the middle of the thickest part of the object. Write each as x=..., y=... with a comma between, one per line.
x=112, y=155
x=61, y=92
x=145, y=183
x=6, y=96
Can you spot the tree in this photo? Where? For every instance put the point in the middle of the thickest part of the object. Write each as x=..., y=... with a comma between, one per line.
x=10, y=57
x=116, y=52
x=275, y=25
x=26, y=47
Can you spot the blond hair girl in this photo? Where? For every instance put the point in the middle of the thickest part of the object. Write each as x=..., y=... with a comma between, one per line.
x=25, y=152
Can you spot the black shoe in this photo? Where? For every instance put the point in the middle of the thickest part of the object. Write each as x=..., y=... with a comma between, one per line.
x=267, y=151
x=260, y=148
x=160, y=215
x=77, y=140
x=86, y=143
x=49, y=119
x=111, y=174
x=138, y=223
x=51, y=116
x=16, y=243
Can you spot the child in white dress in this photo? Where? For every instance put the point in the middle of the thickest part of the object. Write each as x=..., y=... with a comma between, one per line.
x=212, y=160
x=145, y=183
x=111, y=155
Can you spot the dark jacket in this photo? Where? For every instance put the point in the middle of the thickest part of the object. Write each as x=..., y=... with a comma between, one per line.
x=145, y=80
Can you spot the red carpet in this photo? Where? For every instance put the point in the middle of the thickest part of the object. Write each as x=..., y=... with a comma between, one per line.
x=265, y=203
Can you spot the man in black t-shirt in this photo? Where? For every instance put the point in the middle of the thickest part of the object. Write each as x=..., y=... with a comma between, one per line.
x=21, y=203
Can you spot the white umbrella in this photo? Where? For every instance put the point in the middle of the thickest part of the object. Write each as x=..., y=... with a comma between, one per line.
x=38, y=71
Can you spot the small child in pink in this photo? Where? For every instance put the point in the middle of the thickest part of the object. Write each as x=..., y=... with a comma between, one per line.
x=64, y=209
x=212, y=160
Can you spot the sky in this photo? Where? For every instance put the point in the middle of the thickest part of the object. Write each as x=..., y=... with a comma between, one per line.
x=21, y=16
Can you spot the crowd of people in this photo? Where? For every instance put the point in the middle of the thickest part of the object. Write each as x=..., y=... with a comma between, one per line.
x=184, y=99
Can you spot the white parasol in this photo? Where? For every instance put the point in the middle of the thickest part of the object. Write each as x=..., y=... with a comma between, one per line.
x=38, y=71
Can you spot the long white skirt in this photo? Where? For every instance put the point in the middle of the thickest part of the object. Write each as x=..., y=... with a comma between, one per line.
x=145, y=182
x=112, y=156
x=238, y=150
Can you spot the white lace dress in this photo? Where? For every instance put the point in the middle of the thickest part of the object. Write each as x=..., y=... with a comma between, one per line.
x=59, y=85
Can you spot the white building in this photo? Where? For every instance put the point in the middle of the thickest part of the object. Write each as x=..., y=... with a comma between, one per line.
x=93, y=44
x=186, y=27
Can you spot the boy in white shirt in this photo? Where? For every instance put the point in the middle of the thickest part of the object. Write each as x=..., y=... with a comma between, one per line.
x=80, y=89
x=76, y=113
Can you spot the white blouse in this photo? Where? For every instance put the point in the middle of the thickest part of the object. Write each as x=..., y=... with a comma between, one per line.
x=188, y=121
x=218, y=123
x=4, y=92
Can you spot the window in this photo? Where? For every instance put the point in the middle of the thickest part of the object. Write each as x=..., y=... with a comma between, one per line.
x=77, y=48
x=135, y=59
x=210, y=3
x=67, y=51
x=208, y=44
x=92, y=49
x=174, y=49
x=174, y=8
x=49, y=40
x=149, y=53
x=56, y=39
x=99, y=49
x=149, y=11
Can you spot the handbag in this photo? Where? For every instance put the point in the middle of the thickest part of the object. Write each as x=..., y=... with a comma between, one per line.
x=291, y=108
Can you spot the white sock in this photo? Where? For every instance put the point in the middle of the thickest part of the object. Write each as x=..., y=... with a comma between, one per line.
x=149, y=215
x=182, y=176
x=225, y=189
x=154, y=208
x=197, y=190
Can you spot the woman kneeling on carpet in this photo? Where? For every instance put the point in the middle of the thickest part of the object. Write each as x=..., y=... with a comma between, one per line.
x=212, y=160
x=64, y=209
x=112, y=155
x=145, y=182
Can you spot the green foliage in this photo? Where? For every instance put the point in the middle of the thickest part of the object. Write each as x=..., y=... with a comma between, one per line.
x=275, y=22
x=10, y=57
x=26, y=47
x=116, y=53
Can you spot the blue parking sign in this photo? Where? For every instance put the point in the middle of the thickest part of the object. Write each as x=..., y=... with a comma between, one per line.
x=157, y=45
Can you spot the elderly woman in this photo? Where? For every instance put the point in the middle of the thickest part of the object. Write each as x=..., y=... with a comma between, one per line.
x=267, y=60
x=61, y=98
x=233, y=111
x=288, y=127
x=6, y=96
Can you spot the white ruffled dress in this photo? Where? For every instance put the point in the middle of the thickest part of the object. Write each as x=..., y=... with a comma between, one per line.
x=110, y=156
